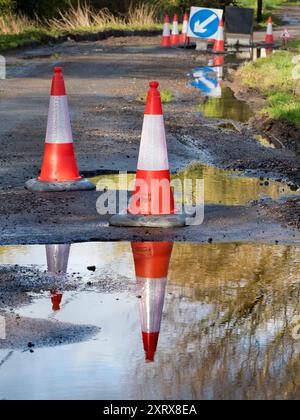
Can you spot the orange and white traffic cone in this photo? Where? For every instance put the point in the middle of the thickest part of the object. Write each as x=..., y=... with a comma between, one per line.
x=152, y=203
x=175, y=31
x=269, y=35
x=59, y=169
x=219, y=45
x=184, y=37
x=151, y=261
x=166, y=38
x=57, y=263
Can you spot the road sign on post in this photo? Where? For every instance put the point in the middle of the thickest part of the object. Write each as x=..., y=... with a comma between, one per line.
x=204, y=22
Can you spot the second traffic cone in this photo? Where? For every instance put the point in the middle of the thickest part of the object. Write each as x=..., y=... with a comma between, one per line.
x=166, y=38
x=175, y=31
x=57, y=263
x=59, y=169
x=219, y=45
x=269, y=35
x=184, y=37
x=151, y=261
x=152, y=203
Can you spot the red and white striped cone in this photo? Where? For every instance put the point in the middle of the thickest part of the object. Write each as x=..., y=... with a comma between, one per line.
x=219, y=45
x=151, y=261
x=185, y=26
x=152, y=203
x=57, y=263
x=59, y=169
x=175, y=31
x=269, y=35
x=166, y=38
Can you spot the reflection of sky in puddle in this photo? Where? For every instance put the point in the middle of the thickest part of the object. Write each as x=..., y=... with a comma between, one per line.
x=223, y=332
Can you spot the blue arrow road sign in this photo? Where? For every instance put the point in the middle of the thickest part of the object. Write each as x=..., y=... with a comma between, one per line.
x=204, y=23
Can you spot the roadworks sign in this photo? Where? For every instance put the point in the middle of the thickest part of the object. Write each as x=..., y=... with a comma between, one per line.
x=204, y=22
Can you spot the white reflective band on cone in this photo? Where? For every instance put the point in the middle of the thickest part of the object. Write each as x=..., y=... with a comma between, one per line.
x=175, y=30
x=270, y=29
x=58, y=258
x=152, y=292
x=185, y=27
x=220, y=34
x=153, y=154
x=59, y=126
x=167, y=31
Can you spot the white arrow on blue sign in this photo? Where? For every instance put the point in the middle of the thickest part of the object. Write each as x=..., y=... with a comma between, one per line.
x=204, y=22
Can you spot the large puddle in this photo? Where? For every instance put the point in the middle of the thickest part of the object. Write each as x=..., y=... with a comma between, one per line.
x=208, y=81
x=217, y=324
x=223, y=187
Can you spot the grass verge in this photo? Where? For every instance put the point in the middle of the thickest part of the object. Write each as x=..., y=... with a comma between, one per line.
x=274, y=78
x=18, y=30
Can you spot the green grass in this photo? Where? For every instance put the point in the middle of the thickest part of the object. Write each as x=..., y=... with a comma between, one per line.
x=269, y=6
x=10, y=41
x=18, y=40
x=166, y=97
x=272, y=78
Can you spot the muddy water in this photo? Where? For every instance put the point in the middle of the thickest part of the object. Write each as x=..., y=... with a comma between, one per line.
x=224, y=318
x=220, y=186
x=226, y=107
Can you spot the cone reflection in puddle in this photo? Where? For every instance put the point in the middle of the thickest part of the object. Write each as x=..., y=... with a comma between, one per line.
x=57, y=263
x=151, y=260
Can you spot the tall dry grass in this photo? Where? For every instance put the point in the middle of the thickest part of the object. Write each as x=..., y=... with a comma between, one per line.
x=15, y=24
x=85, y=17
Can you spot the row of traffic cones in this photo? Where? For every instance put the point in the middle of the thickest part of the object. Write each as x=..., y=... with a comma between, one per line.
x=174, y=38
x=60, y=173
x=169, y=39
x=151, y=260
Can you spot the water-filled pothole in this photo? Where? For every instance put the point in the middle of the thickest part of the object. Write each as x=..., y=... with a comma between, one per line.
x=224, y=308
x=226, y=107
x=224, y=187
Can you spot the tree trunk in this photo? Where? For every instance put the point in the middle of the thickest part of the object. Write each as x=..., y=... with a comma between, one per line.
x=259, y=10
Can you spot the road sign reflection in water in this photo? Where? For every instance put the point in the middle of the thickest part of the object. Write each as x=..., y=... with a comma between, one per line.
x=208, y=80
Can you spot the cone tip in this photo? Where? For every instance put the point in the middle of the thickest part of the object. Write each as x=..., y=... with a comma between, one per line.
x=175, y=18
x=167, y=20
x=270, y=19
x=57, y=69
x=153, y=84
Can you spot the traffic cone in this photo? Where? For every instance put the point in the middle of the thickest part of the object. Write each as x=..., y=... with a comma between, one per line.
x=184, y=37
x=57, y=263
x=269, y=35
x=151, y=261
x=166, y=38
x=152, y=203
x=59, y=169
x=219, y=46
x=175, y=31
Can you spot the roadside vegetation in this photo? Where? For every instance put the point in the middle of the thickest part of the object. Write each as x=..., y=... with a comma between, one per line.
x=275, y=79
x=19, y=29
x=24, y=21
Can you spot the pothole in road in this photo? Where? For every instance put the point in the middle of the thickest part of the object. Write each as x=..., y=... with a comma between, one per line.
x=221, y=187
x=212, y=304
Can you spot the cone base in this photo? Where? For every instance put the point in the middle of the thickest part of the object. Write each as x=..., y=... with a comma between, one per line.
x=164, y=222
x=35, y=185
